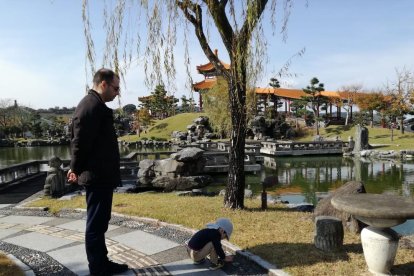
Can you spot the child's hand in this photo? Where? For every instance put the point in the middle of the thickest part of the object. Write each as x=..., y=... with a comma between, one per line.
x=228, y=258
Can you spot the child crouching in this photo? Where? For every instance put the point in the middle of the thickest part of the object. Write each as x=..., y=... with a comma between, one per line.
x=207, y=242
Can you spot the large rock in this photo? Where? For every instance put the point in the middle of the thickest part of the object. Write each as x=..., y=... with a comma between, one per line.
x=181, y=183
x=191, y=127
x=325, y=207
x=179, y=135
x=188, y=154
x=202, y=120
x=146, y=168
x=361, y=139
x=146, y=172
x=169, y=167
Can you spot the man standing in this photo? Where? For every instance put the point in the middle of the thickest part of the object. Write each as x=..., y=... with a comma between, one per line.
x=95, y=165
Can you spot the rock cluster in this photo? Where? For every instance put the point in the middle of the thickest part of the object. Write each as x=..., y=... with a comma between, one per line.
x=147, y=144
x=263, y=129
x=179, y=172
x=198, y=130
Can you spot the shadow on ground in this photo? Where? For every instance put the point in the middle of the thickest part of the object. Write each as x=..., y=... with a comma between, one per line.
x=286, y=255
x=382, y=136
x=303, y=254
x=16, y=193
x=403, y=269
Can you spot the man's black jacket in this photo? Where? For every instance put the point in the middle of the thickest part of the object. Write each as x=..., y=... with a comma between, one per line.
x=94, y=146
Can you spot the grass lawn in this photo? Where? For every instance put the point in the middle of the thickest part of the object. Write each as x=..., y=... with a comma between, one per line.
x=163, y=128
x=8, y=267
x=377, y=136
x=279, y=235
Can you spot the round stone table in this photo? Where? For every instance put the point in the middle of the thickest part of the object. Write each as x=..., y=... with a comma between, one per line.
x=380, y=212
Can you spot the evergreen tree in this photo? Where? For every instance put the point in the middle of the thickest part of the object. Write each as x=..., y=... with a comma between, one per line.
x=315, y=99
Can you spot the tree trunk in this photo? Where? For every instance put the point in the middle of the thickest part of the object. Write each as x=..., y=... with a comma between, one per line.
x=234, y=197
x=402, y=124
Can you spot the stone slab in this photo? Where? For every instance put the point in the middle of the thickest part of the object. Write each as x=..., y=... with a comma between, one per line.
x=7, y=232
x=73, y=258
x=80, y=225
x=175, y=254
x=144, y=242
x=118, y=231
x=4, y=205
x=28, y=220
x=57, y=221
x=37, y=241
x=186, y=267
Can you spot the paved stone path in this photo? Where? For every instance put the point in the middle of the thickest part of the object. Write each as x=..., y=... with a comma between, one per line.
x=48, y=245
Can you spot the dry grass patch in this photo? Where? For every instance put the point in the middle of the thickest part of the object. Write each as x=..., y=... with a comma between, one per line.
x=278, y=235
x=8, y=267
x=377, y=135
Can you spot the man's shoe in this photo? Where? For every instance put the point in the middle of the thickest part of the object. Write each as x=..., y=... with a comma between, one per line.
x=216, y=266
x=115, y=268
x=200, y=261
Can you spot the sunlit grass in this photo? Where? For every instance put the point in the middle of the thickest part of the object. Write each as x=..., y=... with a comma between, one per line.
x=377, y=136
x=163, y=128
x=8, y=267
x=280, y=236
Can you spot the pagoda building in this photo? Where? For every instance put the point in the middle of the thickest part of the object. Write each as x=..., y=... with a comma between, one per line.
x=210, y=78
x=269, y=94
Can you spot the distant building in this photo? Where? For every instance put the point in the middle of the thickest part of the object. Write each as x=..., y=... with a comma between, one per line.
x=269, y=94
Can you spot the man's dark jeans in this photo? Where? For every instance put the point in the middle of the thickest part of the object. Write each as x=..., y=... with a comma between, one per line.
x=99, y=204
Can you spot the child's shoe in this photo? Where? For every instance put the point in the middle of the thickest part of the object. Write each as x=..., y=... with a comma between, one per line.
x=219, y=265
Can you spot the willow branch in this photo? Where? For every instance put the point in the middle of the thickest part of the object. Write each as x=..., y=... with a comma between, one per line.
x=254, y=12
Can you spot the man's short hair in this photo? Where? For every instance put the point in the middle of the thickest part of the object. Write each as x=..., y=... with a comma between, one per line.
x=104, y=74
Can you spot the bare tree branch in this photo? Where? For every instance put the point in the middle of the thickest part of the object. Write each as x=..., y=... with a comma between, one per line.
x=218, y=12
x=197, y=20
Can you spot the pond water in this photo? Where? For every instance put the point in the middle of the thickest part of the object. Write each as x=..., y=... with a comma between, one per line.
x=16, y=155
x=295, y=179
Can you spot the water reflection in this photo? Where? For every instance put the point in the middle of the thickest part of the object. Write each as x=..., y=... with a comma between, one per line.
x=16, y=155
x=312, y=175
x=308, y=176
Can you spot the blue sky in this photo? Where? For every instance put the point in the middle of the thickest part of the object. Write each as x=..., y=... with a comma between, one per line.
x=42, y=49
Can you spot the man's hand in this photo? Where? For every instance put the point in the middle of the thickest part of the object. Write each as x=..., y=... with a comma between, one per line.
x=72, y=177
x=228, y=258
